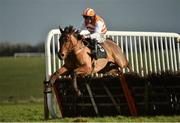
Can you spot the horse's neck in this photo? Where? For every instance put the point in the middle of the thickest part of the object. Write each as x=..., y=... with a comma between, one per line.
x=75, y=56
x=79, y=47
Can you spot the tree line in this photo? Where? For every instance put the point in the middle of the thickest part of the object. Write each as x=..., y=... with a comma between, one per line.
x=8, y=49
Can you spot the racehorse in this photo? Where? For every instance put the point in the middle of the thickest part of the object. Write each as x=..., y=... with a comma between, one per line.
x=78, y=61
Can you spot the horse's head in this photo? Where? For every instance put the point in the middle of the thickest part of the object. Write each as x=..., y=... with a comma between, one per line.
x=68, y=41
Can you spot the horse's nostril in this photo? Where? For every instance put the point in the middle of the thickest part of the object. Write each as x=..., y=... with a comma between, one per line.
x=62, y=54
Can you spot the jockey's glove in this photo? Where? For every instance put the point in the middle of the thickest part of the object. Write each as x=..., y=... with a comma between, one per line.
x=87, y=36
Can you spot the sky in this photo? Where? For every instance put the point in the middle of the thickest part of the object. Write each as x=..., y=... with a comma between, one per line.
x=29, y=21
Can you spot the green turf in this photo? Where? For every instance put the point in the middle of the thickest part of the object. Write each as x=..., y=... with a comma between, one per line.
x=21, y=112
x=21, y=78
x=34, y=112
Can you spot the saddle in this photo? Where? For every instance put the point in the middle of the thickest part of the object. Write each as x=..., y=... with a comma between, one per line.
x=97, y=50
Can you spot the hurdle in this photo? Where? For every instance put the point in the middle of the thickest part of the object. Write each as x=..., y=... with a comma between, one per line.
x=149, y=53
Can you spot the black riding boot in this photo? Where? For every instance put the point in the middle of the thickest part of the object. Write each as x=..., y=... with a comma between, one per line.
x=94, y=50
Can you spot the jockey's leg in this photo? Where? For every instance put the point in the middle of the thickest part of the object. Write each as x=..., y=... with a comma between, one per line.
x=96, y=42
x=94, y=50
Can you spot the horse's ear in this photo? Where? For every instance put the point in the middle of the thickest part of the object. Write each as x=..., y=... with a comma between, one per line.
x=77, y=31
x=61, y=30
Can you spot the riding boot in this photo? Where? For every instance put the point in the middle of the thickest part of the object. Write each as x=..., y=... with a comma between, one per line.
x=94, y=50
x=94, y=54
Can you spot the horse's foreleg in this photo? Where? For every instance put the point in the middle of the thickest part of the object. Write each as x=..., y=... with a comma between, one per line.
x=82, y=70
x=56, y=74
x=74, y=84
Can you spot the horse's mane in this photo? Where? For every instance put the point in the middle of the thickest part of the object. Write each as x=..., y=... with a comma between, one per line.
x=71, y=30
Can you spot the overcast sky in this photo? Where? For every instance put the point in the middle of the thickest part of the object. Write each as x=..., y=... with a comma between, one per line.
x=29, y=21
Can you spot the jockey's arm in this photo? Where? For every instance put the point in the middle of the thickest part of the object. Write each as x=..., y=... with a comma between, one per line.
x=97, y=32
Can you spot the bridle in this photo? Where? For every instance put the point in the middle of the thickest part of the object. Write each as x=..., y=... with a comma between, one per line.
x=70, y=49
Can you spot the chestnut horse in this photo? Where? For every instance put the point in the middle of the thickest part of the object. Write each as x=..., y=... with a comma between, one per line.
x=78, y=61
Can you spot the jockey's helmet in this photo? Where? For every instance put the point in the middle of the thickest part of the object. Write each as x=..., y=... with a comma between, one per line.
x=89, y=12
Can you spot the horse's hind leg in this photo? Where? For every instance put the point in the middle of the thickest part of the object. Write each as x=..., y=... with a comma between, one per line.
x=128, y=94
x=130, y=68
x=123, y=63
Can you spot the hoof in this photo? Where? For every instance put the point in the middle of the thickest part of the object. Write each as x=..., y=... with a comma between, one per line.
x=78, y=93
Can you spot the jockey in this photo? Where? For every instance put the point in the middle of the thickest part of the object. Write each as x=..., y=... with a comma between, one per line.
x=95, y=25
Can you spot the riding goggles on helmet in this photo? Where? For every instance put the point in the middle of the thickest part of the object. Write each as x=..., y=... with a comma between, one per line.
x=87, y=17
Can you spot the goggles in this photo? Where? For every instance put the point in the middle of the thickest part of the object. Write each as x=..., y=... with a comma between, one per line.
x=87, y=17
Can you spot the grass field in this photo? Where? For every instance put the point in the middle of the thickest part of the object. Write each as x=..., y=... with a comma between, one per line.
x=21, y=94
x=21, y=78
x=34, y=112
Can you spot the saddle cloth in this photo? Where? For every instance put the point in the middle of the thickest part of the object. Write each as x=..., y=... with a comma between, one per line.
x=101, y=52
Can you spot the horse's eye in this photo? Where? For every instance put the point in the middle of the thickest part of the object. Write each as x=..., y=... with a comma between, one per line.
x=67, y=38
